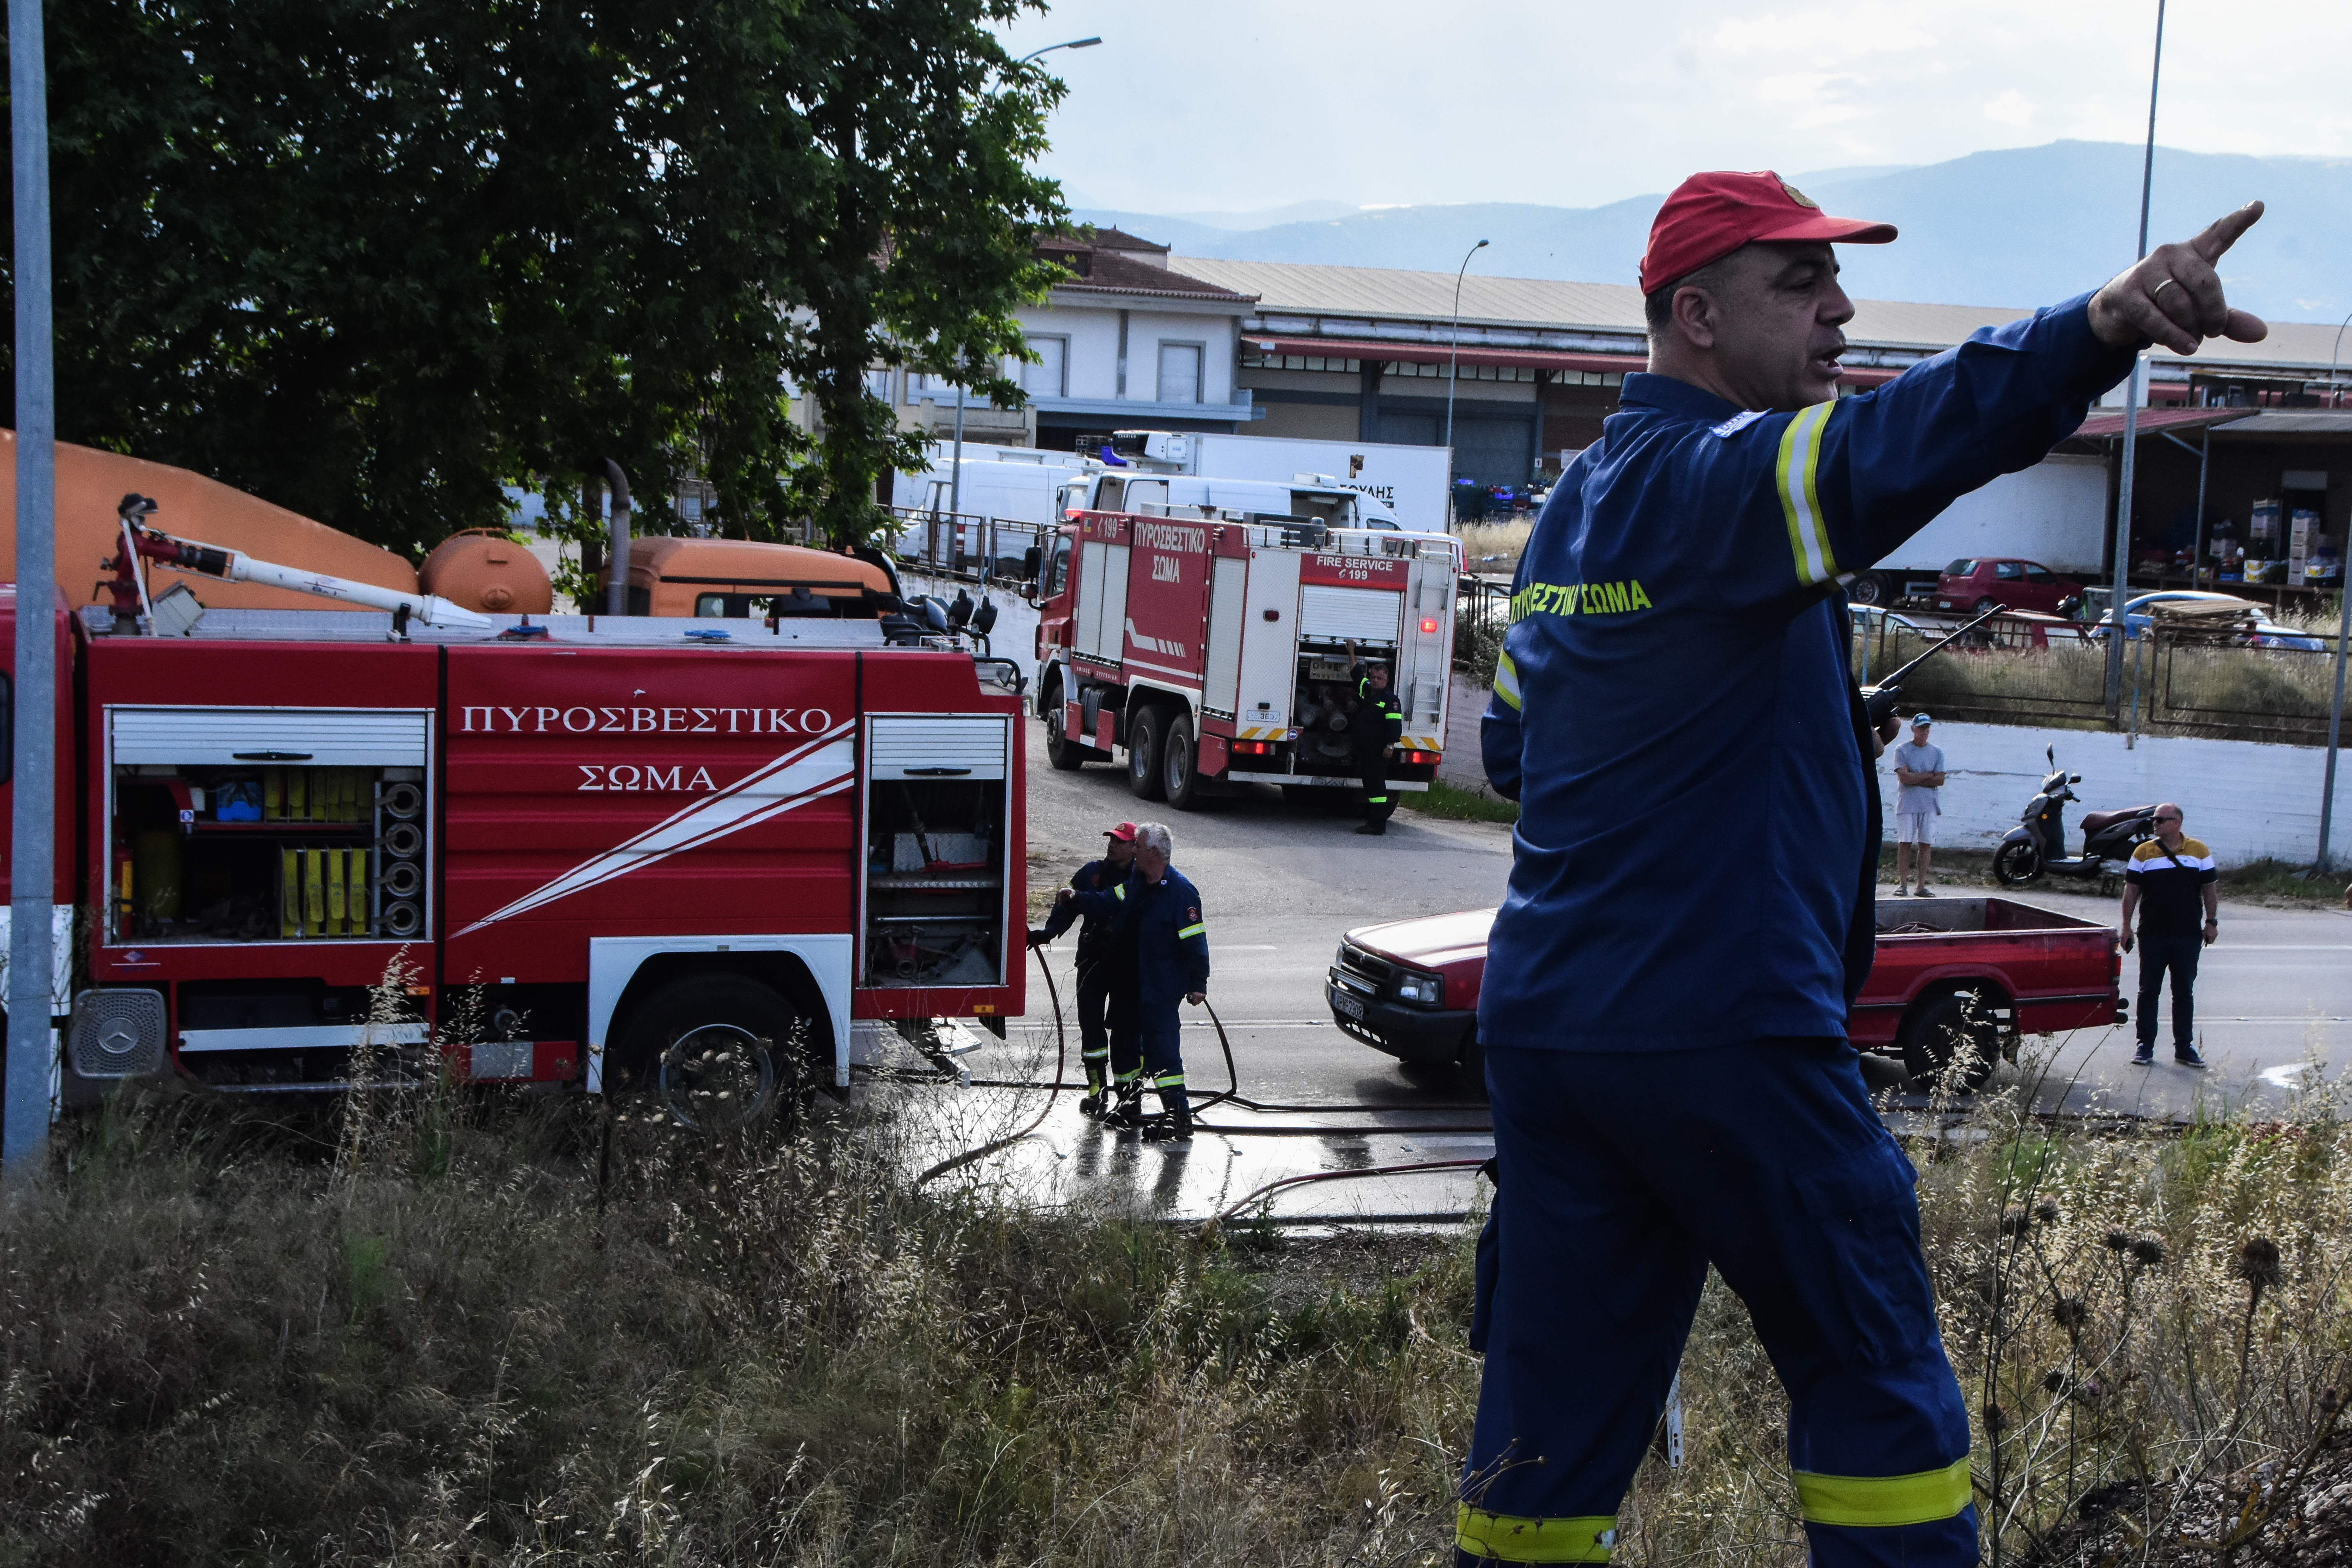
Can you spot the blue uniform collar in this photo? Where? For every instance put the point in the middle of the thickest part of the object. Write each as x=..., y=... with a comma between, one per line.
x=1668, y=395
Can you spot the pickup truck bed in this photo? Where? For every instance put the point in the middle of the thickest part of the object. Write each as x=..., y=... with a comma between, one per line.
x=1949, y=971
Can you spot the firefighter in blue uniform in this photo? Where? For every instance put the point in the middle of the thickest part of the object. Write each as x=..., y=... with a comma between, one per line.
x=1161, y=947
x=1377, y=724
x=1102, y=1051
x=1663, y=1023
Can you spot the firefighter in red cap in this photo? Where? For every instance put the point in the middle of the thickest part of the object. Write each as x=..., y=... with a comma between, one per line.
x=1105, y=1045
x=1663, y=1022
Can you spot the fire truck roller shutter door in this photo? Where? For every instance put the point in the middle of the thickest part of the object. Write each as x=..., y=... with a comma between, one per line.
x=1350, y=615
x=314, y=737
x=937, y=748
x=1221, y=688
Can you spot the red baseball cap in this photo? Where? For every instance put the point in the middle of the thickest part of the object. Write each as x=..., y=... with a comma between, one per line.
x=1710, y=215
x=1124, y=833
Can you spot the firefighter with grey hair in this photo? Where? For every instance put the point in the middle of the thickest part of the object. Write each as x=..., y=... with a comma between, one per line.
x=1160, y=956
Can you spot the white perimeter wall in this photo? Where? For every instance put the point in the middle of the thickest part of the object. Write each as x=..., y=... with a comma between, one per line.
x=2244, y=799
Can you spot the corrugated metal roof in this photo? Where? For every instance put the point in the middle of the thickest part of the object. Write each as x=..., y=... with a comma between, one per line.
x=2154, y=419
x=2293, y=422
x=1535, y=304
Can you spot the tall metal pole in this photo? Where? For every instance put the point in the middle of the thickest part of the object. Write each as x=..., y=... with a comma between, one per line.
x=2335, y=392
x=2131, y=404
x=2335, y=717
x=2197, y=540
x=1453, y=363
x=32, y=832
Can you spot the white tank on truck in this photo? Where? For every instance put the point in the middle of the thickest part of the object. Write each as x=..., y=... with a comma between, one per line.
x=2054, y=512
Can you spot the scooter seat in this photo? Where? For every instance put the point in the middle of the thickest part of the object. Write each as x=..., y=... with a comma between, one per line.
x=2097, y=820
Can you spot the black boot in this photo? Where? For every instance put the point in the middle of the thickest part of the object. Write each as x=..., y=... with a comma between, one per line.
x=1092, y=1107
x=1173, y=1127
x=1128, y=1114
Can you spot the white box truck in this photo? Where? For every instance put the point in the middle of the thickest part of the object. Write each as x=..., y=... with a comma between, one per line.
x=2054, y=512
x=1411, y=480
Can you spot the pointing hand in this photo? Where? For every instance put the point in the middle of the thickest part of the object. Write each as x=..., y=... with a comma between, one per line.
x=2173, y=297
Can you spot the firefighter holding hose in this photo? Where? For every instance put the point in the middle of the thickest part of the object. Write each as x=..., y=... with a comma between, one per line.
x=1104, y=1050
x=1664, y=1011
x=1160, y=946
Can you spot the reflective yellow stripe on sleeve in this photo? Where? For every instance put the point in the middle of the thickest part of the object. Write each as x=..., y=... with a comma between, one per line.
x=1501, y=1537
x=1201, y=929
x=1795, y=477
x=1883, y=1501
x=1506, y=680
x=1120, y=892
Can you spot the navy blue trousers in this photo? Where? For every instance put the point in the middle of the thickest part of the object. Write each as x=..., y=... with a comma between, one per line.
x=1622, y=1176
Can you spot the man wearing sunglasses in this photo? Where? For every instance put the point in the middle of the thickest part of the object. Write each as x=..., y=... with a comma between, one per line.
x=2170, y=881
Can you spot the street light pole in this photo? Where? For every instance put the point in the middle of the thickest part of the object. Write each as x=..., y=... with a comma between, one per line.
x=1049, y=49
x=2334, y=392
x=1453, y=365
x=2131, y=403
x=32, y=829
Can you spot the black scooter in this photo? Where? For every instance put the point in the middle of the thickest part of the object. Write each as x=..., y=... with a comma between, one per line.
x=2038, y=843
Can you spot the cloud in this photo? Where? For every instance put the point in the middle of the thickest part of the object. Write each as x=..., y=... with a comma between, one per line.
x=2011, y=108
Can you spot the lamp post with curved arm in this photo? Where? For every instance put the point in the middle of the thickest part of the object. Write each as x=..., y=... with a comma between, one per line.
x=1452, y=366
x=1049, y=49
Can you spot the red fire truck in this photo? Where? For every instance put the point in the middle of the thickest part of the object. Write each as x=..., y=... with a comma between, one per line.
x=1213, y=649
x=689, y=854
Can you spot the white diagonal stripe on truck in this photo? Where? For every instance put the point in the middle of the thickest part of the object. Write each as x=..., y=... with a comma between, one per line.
x=825, y=766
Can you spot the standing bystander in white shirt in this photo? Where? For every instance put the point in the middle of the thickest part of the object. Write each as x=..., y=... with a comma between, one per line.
x=1918, y=780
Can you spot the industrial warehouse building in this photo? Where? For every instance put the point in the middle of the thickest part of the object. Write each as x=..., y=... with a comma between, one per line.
x=1138, y=338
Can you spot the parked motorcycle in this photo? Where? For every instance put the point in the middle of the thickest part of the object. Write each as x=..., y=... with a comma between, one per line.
x=2037, y=845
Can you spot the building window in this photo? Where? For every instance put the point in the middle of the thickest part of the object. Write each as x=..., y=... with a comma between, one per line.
x=1049, y=377
x=877, y=383
x=1300, y=362
x=1180, y=372
x=920, y=386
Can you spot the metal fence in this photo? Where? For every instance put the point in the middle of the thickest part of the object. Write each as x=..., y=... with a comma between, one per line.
x=2172, y=684
x=965, y=545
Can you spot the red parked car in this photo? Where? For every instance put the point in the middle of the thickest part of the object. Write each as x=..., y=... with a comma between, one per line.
x=1981, y=970
x=1976, y=585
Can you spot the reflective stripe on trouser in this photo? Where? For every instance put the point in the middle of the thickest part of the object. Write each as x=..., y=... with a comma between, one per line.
x=1623, y=1174
x=1500, y=1537
x=1881, y=1501
x=1163, y=1059
x=1378, y=802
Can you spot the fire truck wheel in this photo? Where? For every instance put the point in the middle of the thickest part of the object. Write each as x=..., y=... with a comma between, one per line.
x=1066, y=754
x=717, y=1050
x=1179, y=765
x=1143, y=740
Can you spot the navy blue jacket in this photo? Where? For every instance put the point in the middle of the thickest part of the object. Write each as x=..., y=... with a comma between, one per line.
x=1094, y=936
x=1172, y=946
x=1673, y=706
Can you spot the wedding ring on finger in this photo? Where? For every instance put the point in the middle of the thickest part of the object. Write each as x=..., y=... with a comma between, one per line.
x=2162, y=287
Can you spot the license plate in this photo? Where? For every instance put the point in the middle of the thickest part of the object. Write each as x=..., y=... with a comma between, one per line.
x=1347, y=1004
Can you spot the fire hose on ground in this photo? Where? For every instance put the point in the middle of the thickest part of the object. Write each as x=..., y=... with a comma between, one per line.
x=1230, y=1094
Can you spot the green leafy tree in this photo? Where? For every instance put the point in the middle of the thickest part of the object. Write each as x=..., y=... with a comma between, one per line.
x=375, y=259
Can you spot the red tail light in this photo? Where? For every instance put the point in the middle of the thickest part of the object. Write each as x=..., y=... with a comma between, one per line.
x=1428, y=626
x=1420, y=757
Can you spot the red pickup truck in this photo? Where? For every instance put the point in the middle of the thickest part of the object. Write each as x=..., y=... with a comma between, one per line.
x=1951, y=972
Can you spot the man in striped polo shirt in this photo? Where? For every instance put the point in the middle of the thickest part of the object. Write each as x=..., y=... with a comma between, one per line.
x=2170, y=882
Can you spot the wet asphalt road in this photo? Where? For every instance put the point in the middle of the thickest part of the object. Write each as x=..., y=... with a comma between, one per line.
x=1282, y=882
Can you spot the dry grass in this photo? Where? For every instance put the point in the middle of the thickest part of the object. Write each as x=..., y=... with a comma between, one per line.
x=1495, y=546
x=435, y=1337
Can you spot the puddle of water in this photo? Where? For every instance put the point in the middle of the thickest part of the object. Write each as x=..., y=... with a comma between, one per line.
x=2284, y=1076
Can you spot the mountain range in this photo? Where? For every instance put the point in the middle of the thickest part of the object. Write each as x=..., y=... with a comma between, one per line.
x=2017, y=228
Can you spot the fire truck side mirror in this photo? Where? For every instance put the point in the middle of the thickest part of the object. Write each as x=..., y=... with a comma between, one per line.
x=1032, y=560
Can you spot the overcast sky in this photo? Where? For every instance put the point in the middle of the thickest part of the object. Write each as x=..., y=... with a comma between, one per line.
x=1227, y=105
